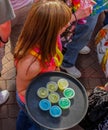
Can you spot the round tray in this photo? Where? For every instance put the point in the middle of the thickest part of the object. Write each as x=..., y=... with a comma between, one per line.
x=69, y=117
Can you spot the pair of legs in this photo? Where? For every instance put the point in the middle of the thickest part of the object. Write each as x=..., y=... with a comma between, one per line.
x=81, y=38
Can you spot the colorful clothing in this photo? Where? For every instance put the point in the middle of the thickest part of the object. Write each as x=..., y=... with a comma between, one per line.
x=100, y=6
x=101, y=42
x=56, y=61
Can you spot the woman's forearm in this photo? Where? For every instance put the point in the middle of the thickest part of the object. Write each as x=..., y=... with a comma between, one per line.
x=5, y=30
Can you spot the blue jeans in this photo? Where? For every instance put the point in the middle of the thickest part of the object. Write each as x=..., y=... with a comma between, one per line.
x=106, y=19
x=80, y=39
x=23, y=120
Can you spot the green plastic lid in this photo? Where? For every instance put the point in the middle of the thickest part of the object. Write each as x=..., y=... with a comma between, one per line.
x=69, y=93
x=64, y=103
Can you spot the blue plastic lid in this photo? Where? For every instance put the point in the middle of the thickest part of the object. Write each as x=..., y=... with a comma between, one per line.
x=44, y=104
x=55, y=111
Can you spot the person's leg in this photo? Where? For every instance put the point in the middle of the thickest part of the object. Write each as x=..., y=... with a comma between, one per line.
x=24, y=122
x=80, y=39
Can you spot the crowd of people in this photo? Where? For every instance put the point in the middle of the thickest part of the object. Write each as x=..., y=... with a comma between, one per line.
x=48, y=38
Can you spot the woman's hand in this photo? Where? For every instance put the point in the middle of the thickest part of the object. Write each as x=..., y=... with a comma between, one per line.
x=83, y=12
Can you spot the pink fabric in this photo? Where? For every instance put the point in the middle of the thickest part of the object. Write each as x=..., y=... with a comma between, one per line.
x=22, y=98
x=17, y=4
x=59, y=43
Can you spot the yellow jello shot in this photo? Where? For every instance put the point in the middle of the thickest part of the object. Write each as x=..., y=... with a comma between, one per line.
x=54, y=97
x=42, y=92
x=62, y=84
x=52, y=86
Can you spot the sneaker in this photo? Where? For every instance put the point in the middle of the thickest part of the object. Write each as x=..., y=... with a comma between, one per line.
x=4, y=95
x=85, y=50
x=73, y=71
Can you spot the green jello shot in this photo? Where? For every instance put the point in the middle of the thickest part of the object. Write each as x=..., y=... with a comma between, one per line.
x=69, y=93
x=42, y=92
x=64, y=103
x=53, y=97
x=52, y=86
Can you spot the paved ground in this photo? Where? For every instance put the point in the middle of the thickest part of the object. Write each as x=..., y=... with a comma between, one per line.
x=92, y=76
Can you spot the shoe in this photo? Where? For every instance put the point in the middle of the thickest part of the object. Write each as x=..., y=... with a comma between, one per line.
x=73, y=71
x=4, y=95
x=85, y=50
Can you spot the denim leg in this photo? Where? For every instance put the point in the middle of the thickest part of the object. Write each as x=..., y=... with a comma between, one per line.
x=23, y=120
x=24, y=123
x=80, y=39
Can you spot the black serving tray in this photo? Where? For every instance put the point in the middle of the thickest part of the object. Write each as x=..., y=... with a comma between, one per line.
x=70, y=117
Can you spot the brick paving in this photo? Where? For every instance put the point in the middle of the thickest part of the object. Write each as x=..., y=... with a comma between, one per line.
x=92, y=76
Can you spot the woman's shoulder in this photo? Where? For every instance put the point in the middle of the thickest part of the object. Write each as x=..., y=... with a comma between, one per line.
x=29, y=64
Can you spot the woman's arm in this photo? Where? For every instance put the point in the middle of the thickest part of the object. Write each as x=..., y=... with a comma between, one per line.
x=5, y=30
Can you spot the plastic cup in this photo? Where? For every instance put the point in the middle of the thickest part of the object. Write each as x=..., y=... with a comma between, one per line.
x=42, y=92
x=62, y=84
x=55, y=111
x=54, y=97
x=52, y=86
x=64, y=103
x=69, y=93
x=44, y=104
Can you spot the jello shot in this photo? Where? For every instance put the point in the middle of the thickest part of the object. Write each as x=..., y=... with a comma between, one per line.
x=55, y=111
x=44, y=104
x=69, y=93
x=52, y=86
x=54, y=97
x=42, y=92
x=62, y=84
x=64, y=103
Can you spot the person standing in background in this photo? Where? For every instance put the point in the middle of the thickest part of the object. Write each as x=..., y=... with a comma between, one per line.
x=79, y=42
x=21, y=9
x=6, y=15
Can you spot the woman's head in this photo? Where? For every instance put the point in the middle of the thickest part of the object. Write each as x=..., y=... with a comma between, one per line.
x=43, y=24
